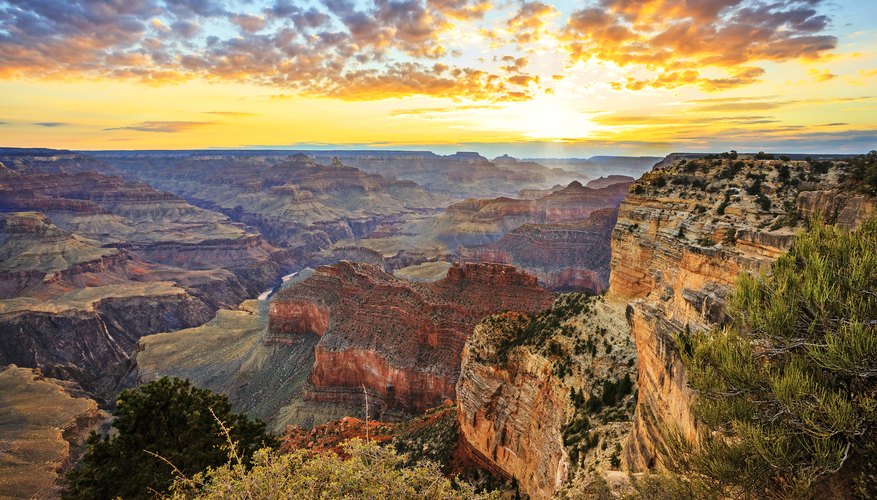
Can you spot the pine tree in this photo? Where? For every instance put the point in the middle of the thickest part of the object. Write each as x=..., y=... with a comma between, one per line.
x=162, y=425
x=787, y=392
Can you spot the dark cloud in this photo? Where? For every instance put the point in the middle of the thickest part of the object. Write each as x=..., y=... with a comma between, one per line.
x=49, y=124
x=248, y=22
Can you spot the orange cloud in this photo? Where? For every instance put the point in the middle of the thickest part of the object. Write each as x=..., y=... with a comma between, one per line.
x=679, y=38
x=528, y=23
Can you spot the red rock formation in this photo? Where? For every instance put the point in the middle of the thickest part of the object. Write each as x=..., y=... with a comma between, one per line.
x=401, y=340
x=90, y=262
x=297, y=317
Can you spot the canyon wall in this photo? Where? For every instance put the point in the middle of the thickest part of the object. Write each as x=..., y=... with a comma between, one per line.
x=547, y=398
x=399, y=339
x=684, y=234
x=572, y=256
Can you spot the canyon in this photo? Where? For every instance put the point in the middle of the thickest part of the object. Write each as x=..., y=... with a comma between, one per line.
x=43, y=425
x=89, y=263
x=391, y=286
x=346, y=332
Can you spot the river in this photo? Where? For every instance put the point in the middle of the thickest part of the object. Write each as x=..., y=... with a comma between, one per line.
x=269, y=292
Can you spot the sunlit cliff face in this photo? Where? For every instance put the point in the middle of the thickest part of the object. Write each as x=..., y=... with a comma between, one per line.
x=533, y=78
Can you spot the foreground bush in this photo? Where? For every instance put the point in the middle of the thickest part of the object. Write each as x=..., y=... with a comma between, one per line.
x=162, y=425
x=369, y=472
x=788, y=391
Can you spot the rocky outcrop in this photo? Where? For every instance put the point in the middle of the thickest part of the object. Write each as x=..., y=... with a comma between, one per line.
x=43, y=426
x=684, y=234
x=400, y=340
x=461, y=175
x=535, y=392
x=609, y=180
x=483, y=221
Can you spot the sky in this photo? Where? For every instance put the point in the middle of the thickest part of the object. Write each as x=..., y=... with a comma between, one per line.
x=532, y=79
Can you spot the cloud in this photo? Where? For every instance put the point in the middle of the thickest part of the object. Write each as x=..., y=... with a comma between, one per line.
x=163, y=126
x=437, y=111
x=679, y=40
x=528, y=23
x=611, y=119
x=248, y=22
x=335, y=48
x=821, y=75
x=50, y=124
x=229, y=113
x=341, y=48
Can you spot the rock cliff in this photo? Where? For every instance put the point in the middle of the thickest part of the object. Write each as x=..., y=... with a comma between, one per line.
x=483, y=221
x=292, y=201
x=684, y=234
x=547, y=398
x=573, y=256
x=400, y=340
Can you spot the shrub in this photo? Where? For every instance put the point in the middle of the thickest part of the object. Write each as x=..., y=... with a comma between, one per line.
x=369, y=471
x=164, y=422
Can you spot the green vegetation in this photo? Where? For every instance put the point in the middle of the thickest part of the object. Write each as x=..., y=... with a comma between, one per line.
x=431, y=436
x=539, y=328
x=788, y=390
x=863, y=169
x=164, y=422
x=367, y=471
x=578, y=436
x=706, y=241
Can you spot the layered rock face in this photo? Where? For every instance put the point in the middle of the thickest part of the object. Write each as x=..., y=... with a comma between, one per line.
x=291, y=200
x=564, y=256
x=532, y=388
x=43, y=426
x=401, y=340
x=483, y=221
x=684, y=234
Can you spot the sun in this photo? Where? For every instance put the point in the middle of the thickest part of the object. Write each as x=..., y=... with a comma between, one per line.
x=545, y=118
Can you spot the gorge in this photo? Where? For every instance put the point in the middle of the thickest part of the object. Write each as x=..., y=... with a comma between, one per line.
x=301, y=290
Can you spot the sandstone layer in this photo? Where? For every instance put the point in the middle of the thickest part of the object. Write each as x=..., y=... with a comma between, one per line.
x=483, y=221
x=399, y=340
x=90, y=262
x=564, y=257
x=547, y=397
x=292, y=201
x=684, y=234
